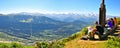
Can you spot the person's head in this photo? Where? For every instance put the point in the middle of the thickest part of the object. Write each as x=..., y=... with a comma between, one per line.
x=111, y=19
x=114, y=17
x=96, y=23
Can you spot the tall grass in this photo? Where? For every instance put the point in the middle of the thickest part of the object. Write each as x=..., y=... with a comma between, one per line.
x=11, y=45
x=113, y=42
x=53, y=44
x=76, y=35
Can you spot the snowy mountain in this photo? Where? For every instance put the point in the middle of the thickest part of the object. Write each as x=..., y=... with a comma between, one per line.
x=69, y=17
x=44, y=26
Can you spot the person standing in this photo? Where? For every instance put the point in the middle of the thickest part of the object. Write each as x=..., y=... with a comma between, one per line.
x=115, y=21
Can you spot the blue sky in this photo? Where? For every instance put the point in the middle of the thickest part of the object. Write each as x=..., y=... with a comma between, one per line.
x=48, y=6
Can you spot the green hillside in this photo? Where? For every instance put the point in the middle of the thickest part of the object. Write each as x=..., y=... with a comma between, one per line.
x=112, y=42
x=40, y=27
x=8, y=38
x=72, y=41
x=77, y=43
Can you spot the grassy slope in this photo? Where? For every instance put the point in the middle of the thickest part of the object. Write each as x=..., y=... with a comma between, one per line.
x=118, y=19
x=29, y=47
x=77, y=43
x=9, y=44
x=6, y=37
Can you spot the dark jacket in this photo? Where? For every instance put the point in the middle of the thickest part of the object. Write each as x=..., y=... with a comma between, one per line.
x=110, y=24
x=100, y=29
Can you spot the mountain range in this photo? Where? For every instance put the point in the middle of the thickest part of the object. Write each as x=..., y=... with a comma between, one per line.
x=38, y=26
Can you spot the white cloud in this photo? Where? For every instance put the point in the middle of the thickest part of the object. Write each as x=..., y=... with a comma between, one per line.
x=9, y=11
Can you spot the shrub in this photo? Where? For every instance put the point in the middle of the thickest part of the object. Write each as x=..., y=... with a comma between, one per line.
x=57, y=44
x=4, y=46
x=16, y=45
x=78, y=34
x=37, y=45
x=53, y=44
x=65, y=39
x=41, y=45
x=113, y=42
x=44, y=45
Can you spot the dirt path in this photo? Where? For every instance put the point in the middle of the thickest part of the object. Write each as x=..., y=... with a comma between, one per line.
x=91, y=44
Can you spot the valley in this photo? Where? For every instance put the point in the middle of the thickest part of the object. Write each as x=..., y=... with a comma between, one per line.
x=23, y=27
